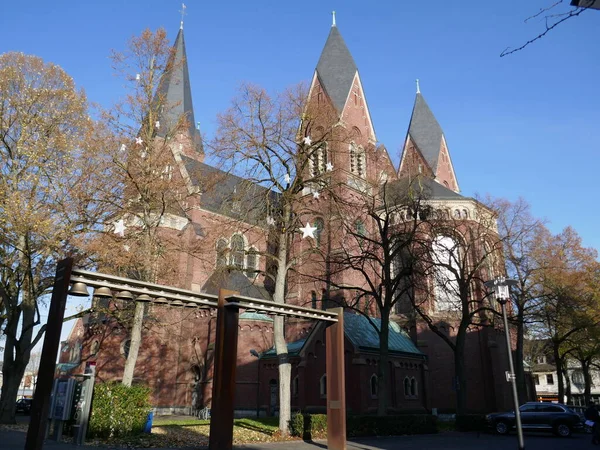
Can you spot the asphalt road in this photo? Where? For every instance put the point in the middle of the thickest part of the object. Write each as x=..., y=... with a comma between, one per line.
x=15, y=440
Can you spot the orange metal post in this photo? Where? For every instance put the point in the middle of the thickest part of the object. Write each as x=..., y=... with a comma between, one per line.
x=221, y=420
x=336, y=384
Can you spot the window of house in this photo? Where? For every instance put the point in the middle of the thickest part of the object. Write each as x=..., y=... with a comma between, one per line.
x=373, y=383
x=536, y=380
x=252, y=263
x=446, y=258
x=313, y=299
x=549, y=378
x=237, y=251
x=323, y=386
x=577, y=377
x=406, y=387
x=221, y=253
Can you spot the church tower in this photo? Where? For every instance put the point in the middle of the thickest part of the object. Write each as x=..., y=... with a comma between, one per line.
x=336, y=85
x=425, y=151
x=175, y=93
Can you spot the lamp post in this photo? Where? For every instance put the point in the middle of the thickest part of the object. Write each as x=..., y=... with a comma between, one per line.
x=500, y=289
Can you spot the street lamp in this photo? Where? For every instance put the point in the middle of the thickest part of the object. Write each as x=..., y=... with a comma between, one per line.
x=500, y=290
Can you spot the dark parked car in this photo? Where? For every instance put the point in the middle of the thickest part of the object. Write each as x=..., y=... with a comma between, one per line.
x=24, y=405
x=554, y=417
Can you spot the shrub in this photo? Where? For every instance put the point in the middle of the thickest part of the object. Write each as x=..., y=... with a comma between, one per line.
x=118, y=410
x=471, y=422
x=309, y=426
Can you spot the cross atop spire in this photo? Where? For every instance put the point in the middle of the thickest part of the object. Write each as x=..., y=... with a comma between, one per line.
x=182, y=11
x=418, y=88
x=333, y=23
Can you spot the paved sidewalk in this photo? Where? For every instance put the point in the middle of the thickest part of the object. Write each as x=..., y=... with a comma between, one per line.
x=15, y=440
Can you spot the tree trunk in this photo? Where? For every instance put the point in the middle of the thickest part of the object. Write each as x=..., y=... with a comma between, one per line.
x=285, y=369
x=13, y=374
x=460, y=372
x=519, y=368
x=568, y=392
x=559, y=369
x=587, y=382
x=383, y=381
x=134, y=345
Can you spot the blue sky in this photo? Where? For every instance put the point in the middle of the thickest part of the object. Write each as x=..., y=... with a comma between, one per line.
x=524, y=125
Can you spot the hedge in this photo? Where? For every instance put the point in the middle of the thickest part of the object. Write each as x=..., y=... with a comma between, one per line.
x=118, y=410
x=309, y=426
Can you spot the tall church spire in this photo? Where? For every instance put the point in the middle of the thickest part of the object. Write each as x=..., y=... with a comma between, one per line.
x=336, y=68
x=425, y=143
x=176, y=93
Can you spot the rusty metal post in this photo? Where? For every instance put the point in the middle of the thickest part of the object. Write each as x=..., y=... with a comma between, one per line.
x=223, y=394
x=41, y=401
x=336, y=383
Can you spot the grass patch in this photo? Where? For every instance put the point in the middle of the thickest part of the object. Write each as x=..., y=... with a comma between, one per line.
x=191, y=432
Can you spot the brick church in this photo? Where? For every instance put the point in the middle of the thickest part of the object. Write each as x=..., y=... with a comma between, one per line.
x=177, y=344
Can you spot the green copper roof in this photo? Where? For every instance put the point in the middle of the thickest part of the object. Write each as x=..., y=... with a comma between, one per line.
x=362, y=334
x=293, y=349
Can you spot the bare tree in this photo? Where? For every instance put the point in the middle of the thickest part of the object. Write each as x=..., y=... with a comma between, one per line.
x=553, y=16
x=457, y=255
x=143, y=187
x=521, y=234
x=267, y=140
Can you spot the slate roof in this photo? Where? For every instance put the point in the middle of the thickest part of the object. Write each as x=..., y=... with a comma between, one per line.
x=362, y=334
x=176, y=89
x=396, y=191
x=336, y=69
x=425, y=132
x=223, y=192
x=234, y=280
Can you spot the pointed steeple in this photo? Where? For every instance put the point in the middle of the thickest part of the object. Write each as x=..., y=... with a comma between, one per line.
x=425, y=132
x=176, y=91
x=336, y=68
x=425, y=143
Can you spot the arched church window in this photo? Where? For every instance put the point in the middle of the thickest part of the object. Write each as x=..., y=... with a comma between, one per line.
x=413, y=387
x=357, y=160
x=465, y=214
x=221, y=253
x=318, y=160
x=237, y=251
x=446, y=260
x=373, y=385
x=406, y=387
x=457, y=213
x=319, y=224
x=252, y=263
x=313, y=299
x=446, y=184
x=323, y=386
